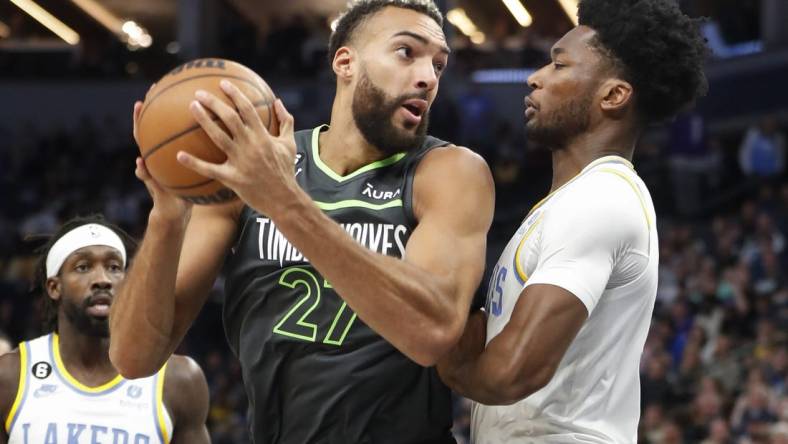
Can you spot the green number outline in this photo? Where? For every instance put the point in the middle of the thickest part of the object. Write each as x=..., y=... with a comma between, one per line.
x=301, y=322
x=284, y=280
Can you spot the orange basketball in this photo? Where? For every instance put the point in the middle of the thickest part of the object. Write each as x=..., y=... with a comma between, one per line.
x=166, y=125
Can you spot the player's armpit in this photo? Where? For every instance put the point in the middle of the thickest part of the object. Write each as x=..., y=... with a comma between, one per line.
x=524, y=356
x=186, y=397
x=166, y=287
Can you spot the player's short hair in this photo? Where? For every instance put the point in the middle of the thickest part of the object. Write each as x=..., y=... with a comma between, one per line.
x=361, y=10
x=654, y=46
x=50, y=306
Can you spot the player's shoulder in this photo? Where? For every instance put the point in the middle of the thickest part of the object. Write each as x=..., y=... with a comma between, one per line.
x=602, y=187
x=453, y=163
x=185, y=388
x=182, y=370
x=9, y=380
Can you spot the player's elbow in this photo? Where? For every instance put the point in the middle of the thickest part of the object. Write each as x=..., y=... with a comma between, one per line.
x=436, y=343
x=128, y=365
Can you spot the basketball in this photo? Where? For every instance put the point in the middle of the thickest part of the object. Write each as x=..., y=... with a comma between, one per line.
x=166, y=124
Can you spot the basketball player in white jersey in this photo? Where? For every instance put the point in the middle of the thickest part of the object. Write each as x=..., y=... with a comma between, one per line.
x=554, y=356
x=62, y=388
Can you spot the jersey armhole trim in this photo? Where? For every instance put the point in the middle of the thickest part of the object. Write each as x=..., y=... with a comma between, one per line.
x=21, y=391
x=638, y=193
x=158, y=405
x=518, y=266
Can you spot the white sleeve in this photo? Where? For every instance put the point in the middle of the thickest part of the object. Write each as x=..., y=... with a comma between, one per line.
x=585, y=233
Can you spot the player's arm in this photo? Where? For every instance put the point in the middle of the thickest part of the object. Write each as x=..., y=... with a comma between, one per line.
x=419, y=304
x=524, y=357
x=9, y=384
x=581, y=239
x=186, y=397
x=167, y=285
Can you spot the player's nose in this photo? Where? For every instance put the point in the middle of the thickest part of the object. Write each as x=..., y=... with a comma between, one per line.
x=101, y=279
x=426, y=77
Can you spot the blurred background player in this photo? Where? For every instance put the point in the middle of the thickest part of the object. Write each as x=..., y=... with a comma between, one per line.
x=61, y=387
x=337, y=347
x=570, y=301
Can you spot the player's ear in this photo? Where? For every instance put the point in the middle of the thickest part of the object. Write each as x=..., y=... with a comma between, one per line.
x=53, y=288
x=616, y=96
x=343, y=63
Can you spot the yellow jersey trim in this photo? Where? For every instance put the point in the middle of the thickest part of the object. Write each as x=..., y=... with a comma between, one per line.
x=637, y=191
x=612, y=158
x=72, y=380
x=162, y=424
x=517, y=264
x=20, y=391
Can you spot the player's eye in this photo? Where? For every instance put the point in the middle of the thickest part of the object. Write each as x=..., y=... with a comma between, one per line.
x=405, y=51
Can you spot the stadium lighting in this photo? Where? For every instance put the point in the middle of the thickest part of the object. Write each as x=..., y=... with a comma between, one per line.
x=461, y=21
x=5, y=31
x=519, y=12
x=48, y=20
x=570, y=7
x=128, y=31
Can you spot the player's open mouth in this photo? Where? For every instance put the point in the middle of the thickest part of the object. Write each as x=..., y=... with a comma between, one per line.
x=414, y=109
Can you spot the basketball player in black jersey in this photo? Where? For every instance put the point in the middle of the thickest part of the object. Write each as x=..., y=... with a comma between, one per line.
x=352, y=254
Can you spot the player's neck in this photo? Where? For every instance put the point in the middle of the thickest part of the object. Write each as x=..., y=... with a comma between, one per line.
x=342, y=147
x=85, y=357
x=569, y=161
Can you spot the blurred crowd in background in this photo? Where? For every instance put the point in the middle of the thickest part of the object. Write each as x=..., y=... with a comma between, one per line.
x=715, y=365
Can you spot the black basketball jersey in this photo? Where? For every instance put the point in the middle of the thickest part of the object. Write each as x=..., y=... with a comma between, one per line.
x=313, y=371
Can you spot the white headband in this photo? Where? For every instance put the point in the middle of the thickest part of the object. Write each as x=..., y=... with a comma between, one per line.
x=81, y=237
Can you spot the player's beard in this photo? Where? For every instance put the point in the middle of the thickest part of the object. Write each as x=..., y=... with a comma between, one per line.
x=373, y=113
x=555, y=130
x=83, y=322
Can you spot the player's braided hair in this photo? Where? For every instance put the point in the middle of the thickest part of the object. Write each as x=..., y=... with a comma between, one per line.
x=654, y=46
x=38, y=286
x=360, y=10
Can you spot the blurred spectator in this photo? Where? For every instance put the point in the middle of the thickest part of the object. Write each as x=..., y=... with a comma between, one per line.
x=762, y=152
x=719, y=433
x=694, y=162
x=476, y=119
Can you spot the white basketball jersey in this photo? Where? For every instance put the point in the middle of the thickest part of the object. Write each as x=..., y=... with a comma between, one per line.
x=595, y=237
x=52, y=407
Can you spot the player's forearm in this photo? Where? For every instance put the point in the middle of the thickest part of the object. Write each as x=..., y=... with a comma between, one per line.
x=401, y=302
x=503, y=372
x=142, y=317
x=493, y=379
